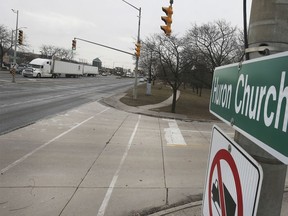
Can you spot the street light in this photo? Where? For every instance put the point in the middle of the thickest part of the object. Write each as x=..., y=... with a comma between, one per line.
x=138, y=42
x=15, y=41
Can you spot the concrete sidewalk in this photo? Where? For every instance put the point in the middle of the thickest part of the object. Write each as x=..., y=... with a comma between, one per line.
x=114, y=101
x=189, y=209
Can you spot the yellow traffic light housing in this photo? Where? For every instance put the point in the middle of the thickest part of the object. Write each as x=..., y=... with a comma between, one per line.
x=167, y=19
x=74, y=44
x=20, y=37
x=137, y=49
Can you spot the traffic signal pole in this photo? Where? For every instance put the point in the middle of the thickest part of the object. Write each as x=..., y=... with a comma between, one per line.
x=135, y=94
x=102, y=45
x=15, y=40
x=13, y=69
x=138, y=42
x=268, y=32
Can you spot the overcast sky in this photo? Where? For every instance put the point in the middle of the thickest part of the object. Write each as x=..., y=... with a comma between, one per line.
x=110, y=22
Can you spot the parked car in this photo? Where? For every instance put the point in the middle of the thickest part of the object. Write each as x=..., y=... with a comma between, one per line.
x=20, y=68
x=27, y=72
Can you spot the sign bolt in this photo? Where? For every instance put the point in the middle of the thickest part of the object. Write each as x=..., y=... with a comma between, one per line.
x=232, y=121
x=229, y=148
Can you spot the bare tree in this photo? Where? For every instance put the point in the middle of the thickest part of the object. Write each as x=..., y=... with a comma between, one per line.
x=167, y=56
x=218, y=42
x=49, y=50
x=5, y=42
x=149, y=61
x=65, y=54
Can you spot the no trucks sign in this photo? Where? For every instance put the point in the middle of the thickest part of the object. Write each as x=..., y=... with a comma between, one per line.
x=253, y=98
x=233, y=179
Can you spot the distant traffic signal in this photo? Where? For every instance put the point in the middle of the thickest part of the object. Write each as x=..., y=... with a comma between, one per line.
x=74, y=44
x=167, y=19
x=138, y=47
x=20, y=37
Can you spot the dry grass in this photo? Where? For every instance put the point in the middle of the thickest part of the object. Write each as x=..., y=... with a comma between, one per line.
x=159, y=93
x=192, y=105
x=189, y=103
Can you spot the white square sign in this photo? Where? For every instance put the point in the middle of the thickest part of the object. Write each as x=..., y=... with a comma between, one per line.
x=233, y=179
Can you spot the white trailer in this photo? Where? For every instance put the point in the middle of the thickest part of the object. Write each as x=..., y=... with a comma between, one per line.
x=55, y=68
x=67, y=69
x=90, y=70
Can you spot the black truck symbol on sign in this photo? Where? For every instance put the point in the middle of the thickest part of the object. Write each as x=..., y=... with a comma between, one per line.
x=229, y=203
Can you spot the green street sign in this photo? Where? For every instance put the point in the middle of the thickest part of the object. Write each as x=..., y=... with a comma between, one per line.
x=253, y=98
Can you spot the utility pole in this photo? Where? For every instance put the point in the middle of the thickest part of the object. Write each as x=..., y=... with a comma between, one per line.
x=148, y=87
x=15, y=41
x=138, y=42
x=137, y=57
x=268, y=32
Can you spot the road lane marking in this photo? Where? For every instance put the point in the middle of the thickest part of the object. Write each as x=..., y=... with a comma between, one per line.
x=5, y=81
x=173, y=134
x=202, y=131
x=107, y=197
x=47, y=143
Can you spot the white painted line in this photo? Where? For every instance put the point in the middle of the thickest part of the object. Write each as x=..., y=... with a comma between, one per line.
x=196, y=131
x=208, y=132
x=47, y=143
x=107, y=197
x=200, y=131
x=173, y=134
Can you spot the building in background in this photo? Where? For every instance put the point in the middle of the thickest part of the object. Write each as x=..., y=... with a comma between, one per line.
x=97, y=63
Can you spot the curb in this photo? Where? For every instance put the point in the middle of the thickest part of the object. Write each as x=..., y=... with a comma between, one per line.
x=191, y=208
x=177, y=209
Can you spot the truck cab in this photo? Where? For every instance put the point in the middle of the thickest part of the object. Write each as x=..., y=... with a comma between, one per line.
x=38, y=68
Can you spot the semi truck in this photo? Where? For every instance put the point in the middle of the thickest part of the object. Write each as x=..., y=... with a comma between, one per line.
x=55, y=68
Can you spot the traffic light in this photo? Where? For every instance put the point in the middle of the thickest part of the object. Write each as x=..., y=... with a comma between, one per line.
x=167, y=19
x=74, y=44
x=138, y=46
x=20, y=37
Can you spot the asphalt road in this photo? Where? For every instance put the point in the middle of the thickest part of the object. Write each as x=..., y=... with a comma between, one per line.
x=29, y=100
